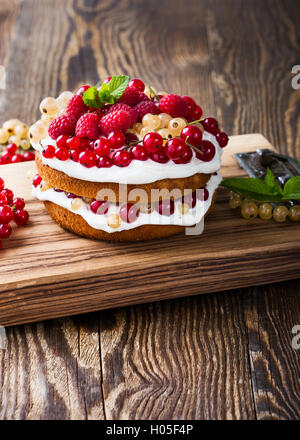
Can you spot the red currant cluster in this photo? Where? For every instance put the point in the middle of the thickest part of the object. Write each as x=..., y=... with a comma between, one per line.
x=168, y=128
x=10, y=209
x=10, y=155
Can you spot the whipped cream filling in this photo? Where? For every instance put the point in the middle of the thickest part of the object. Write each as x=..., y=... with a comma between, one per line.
x=101, y=222
x=137, y=172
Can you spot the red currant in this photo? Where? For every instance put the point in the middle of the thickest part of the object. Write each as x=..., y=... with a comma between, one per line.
x=16, y=158
x=153, y=142
x=61, y=141
x=5, y=158
x=36, y=180
x=129, y=212
x=130, y=137
x=197, y=113
x=210, y=125
x=73, y=142
x=175, y=148
x=186, y=156
x=6, y=214
x=11, y=149
x=21, y=217
x=166, y=207
x=106, y=81
x=49, y=151
x=122, y=158
x=192, y=135
x=116, y=139
x=5, y=231
x=208, y=151
x=62, y=153
x=102, y=147
x=82, y=89
x=18, y=203
x=99, y=207
x=190, y=199
x=139, y=153
x=222, y=139
x=190, y=106
x=137, y=84
x=85, y=143
x=104, y=162
x=74, y=155
x=71, y=196
x=28, y=156
x=88, y=158
x=2, y=184
x=9, y=195
x=202, y=194
x=3, y=199
x=160, y=157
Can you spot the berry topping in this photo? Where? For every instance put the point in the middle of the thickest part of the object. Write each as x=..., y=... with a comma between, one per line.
x=133, y=96
x=11, y=148
x=174, y=105
x=145, y=107
x=118, y=120
x=159, y=156
x=191, y=105
x=2, y=184
x=222, y=139
x=76, y=107
x=61, y=141
x=197, y=113
x=3, y=199
x=104, y=162
x=74, y=155
x=102, y=147
x=121, y=106
x=21, y=217
x=36, y=180
x=28, y=156
x=152, y=142
x=186, y=156
x=139, y=153
x=106, y=81
x=202, y=194
x=175, y=148
x=74, y=142
x=129, y=212
x=88, y=158
x=166, y=207
x=49, y=151
x=137, y=83
x=192, y=135
x=82, y=90
x=210, y=125
x=122, y=158
x=87, y=126
x=16, y=158
x=99, y=207
x=61, y=125
x=116, y=139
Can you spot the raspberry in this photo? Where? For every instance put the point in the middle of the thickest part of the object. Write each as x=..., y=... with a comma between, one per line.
x=76, y=107
x=132, y=96
x=121, y=106
x=145, y=107
x=174, y=105
x=118, y=120
x=61, y=125
x=87, y=126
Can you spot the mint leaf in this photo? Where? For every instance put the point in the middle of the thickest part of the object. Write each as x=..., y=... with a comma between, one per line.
x=270, y=180
x=291, y=190
x=117, y=85
x=105, y=95
x=253, y=188
x=91, y=97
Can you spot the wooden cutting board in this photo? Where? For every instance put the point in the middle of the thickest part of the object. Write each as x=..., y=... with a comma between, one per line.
x=46, y=272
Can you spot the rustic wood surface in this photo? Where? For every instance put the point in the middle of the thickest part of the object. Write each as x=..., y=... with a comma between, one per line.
x=216, y=356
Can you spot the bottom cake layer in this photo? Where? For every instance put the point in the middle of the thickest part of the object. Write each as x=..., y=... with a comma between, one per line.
x=75, y=223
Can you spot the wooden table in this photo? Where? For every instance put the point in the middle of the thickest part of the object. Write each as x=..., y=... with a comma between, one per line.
x=214, y=356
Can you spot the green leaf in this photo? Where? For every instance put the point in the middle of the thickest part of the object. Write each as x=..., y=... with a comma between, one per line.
x=253, y=188
x=270, y=180
x=291, y=189
x=91, y=97
x=117, y=85
x=105, y=95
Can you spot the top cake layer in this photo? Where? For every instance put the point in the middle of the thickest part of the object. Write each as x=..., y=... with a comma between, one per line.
x=122, y=132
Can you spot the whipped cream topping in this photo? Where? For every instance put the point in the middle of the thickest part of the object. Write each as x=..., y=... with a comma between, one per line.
x=101, y=222
x=137, y=172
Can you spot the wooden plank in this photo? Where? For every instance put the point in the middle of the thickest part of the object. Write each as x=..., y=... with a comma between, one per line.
x=72, y=274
